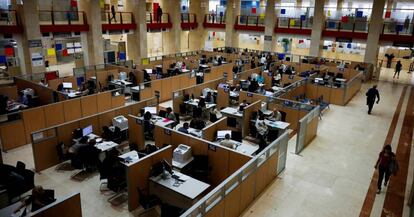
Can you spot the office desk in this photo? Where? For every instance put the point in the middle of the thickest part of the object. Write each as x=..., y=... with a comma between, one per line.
x=106, y=145
x=129, y=158
x=194, y=103
x=121, y=83
x=195, y=132
x=160, y=121
x=280, y=125
x=276, y=88
x=9, y=210
x=234, y=94
x=246, y=148
x=90, y=136
x=13, y=106
x=229, y=111
x=179, y=166
x=183, y=195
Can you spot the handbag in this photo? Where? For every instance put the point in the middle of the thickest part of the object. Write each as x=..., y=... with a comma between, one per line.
x=393, y=167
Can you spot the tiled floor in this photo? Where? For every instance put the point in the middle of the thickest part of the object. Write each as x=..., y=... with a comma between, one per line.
x=329, y=178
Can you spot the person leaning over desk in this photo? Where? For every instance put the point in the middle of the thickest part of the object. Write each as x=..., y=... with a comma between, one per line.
x=227, y=142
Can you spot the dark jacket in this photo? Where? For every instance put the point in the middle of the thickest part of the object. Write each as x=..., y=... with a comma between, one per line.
x=372, y=94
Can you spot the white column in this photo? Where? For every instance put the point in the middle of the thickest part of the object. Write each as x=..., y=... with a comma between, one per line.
x=198, y=36
x=92, y=41
x=232, y=10
x=137, y=41
x=270, y=22
x=30, y=20
x=375, y=29
x=317, y=27
x=172, y=38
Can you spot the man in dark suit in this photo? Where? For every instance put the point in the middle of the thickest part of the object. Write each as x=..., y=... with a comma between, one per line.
x=372, y=94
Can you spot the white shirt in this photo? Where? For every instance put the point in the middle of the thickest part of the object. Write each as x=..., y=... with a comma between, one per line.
x=261, y=127
x=263, y=60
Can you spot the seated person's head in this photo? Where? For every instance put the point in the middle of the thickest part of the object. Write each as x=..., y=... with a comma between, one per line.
x=186, y=125
x=83, y=140
x=92, y=142
x=227, y=136
x=147, y=115
x=245, y=102
x=169, y=109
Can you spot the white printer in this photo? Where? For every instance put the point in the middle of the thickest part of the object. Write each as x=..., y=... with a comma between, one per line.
x=121, y=122
x=182, y=153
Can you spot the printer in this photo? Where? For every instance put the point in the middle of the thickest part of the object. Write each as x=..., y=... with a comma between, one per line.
x=182, y=153
x=121, y=122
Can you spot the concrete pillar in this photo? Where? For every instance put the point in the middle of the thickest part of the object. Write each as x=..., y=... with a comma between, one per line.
x=172, y=38
x=137, y=41
x=270, y=22
x=299, y=3
x=92, y=41
x=375, y=28
x=232, y=10
x=30, y=21
x=317, y=27
x=198, y=36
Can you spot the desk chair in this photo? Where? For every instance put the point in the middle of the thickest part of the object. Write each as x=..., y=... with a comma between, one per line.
x=200, y=168
x=62, y=157
x=177, y=117
x=213, y=117
x=147, y=201
x=117, y=183
x=88, y=158
x=148, y=130
x=283, y=116
x=117, y=135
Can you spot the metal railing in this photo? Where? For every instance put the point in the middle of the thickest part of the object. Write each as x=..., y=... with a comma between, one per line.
x=158, y=18
x=9, y=18
x=250, y=20
x=188, y=18
x=398, y=28
x=294, y=23
x=348, y=26
x=214, y=19
x=117, y=18
x=62, y=17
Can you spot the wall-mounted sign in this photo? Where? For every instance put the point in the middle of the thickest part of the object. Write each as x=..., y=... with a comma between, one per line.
x=35, y=43
x=212, y=147
x=37, y=59
x=342, y=39
x=268, y=38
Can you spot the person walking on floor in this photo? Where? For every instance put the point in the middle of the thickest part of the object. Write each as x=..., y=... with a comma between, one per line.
x=159, y=14
x=113, y=14
x=372, y=94
x=386, y=165
x=398, y=67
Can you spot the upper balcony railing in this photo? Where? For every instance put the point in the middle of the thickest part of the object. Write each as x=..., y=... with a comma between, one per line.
x=9, y=18
x=62, y=18
x=117, y=18
x=398, y=28
x=347, y=26
x=250, y=23
x=294, y=23
x=9, y=22
x=214, y=21
x=188, y=21
x=158, y=21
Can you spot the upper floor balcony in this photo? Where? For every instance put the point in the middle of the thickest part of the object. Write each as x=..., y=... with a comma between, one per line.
x=188, y=21
x=118, y=21
x=294, y=25
x=214, y=21
x=158, y=21
x=250, y=23
x=9, y=22
x=63, y=21
x=346, y=28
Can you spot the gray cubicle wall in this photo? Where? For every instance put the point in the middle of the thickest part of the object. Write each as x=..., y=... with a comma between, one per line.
x=235, y=194
x=303, y=137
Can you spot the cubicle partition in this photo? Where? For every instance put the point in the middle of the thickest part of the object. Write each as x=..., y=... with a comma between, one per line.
x=307, y=129
x=209, y=132
x=247, y=116
x=238, y=191
x=69, y=206
x=138, y=174
x=44, y=94
x=353, y=86
x=44, y=141
x=10, y=91
x=196, y=90
x=222, y=161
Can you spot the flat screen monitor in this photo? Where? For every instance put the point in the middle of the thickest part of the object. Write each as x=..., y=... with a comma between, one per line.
x=236, y=136
x=222, y=133
x=87, y=130
x=152, y=110
x=67, y=85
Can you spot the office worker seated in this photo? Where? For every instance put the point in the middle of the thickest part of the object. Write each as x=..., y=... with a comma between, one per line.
x=170, y=114
x=37, y=200
x=133, y=79
x=81, y=143
x=261, y=127
x=260, y=79
x=184, y=128
x=106, y=133
x=253, y=86
x=227, y=142
x=209, y=98
x=261, y=90
x=243, y=105
x=60, y=87
x=197, y=123
x=42, y=82
x=276, y=115
x=289, y=70
x=23, y=98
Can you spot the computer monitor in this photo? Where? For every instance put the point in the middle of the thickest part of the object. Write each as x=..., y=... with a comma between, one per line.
x=231, y=122
x=152, y=110
x=222, y=133
x=87, y=130
x=67, y=85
